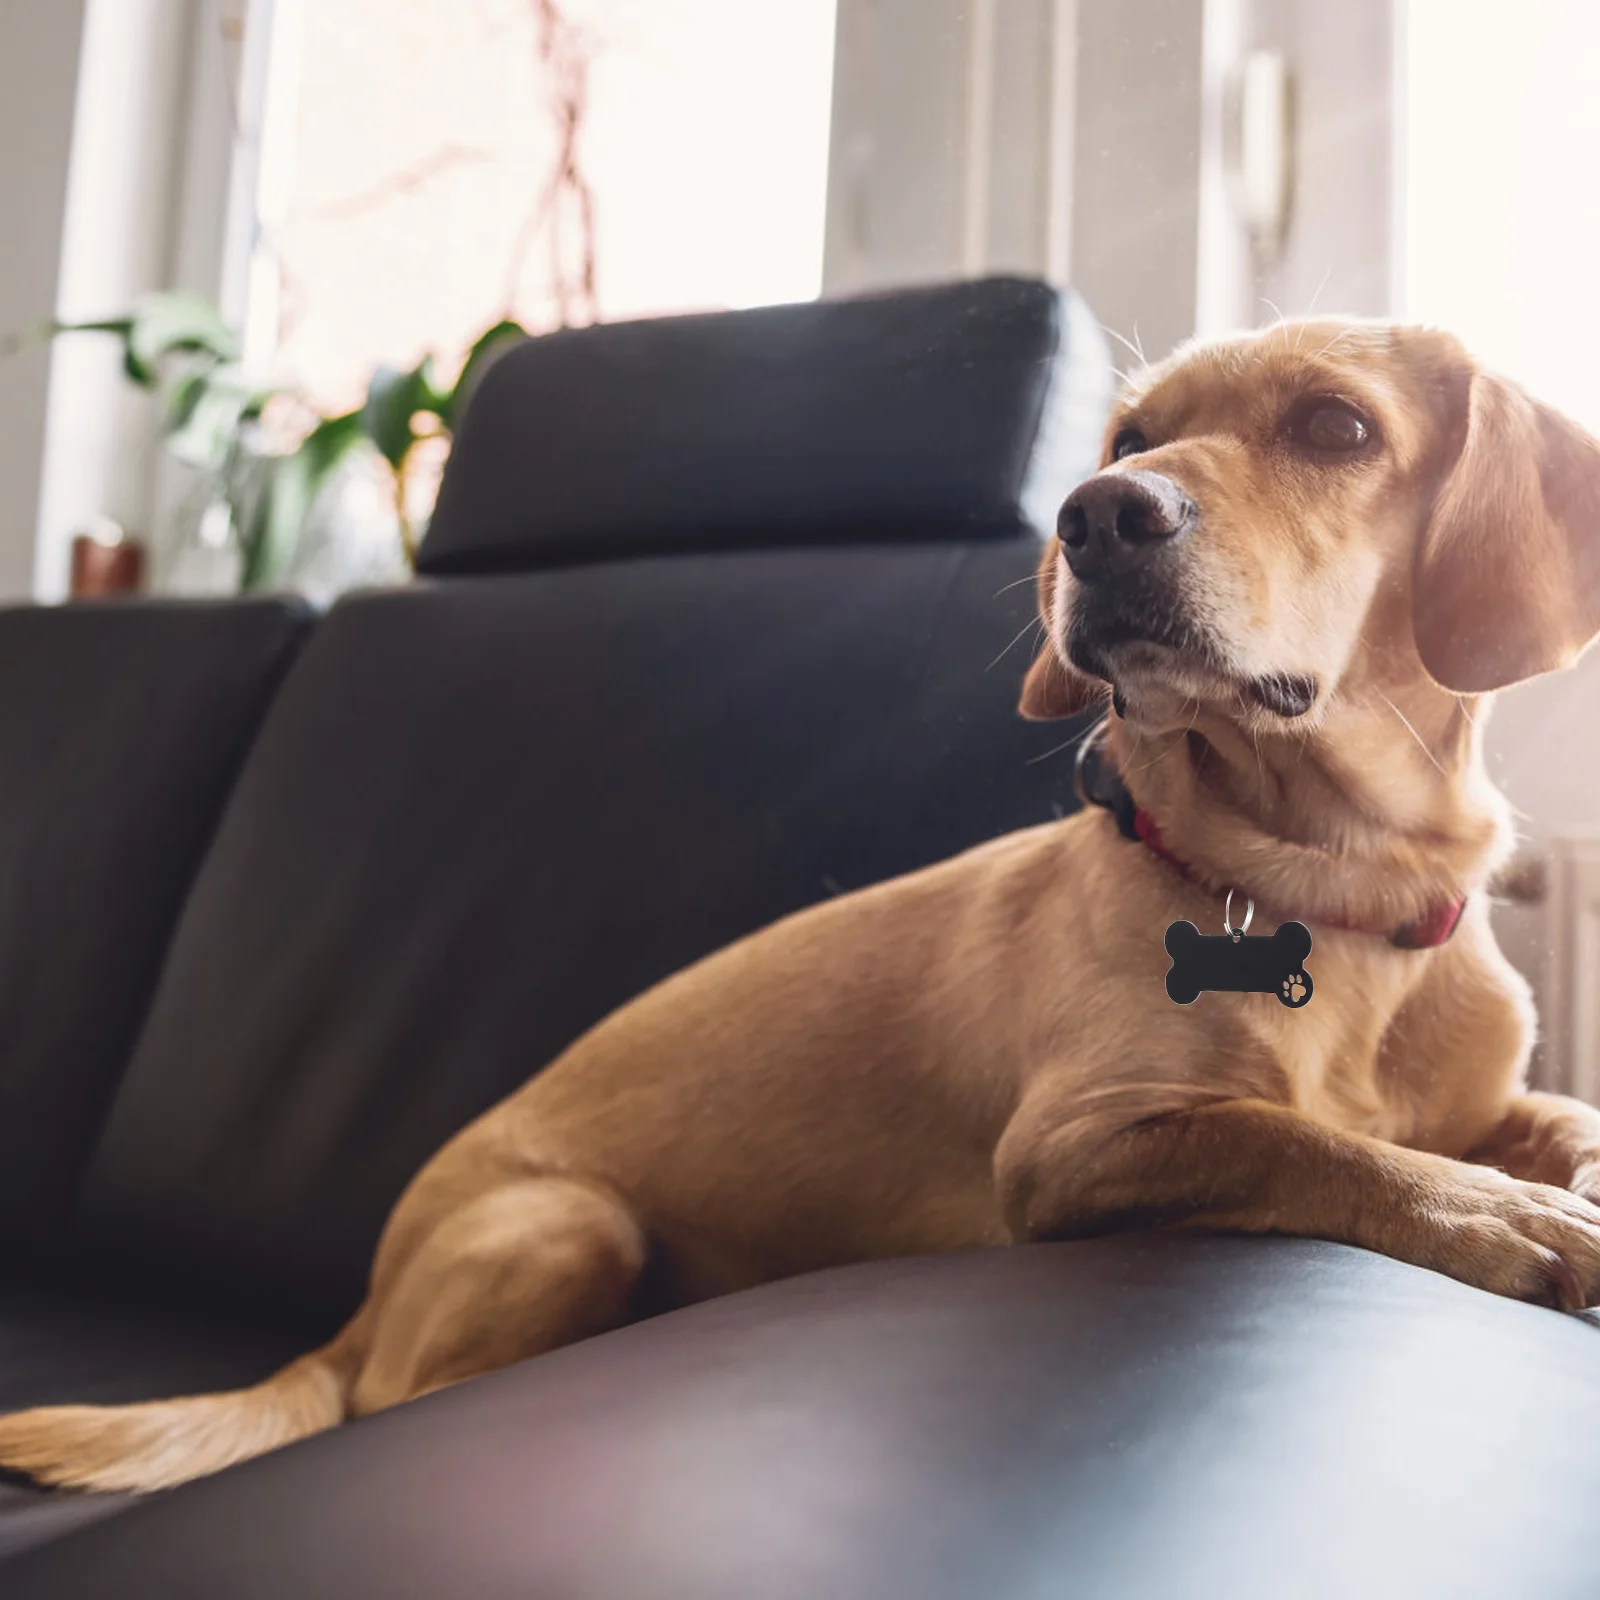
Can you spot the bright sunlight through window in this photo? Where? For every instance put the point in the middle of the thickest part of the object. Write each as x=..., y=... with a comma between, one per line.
x=1500, y=211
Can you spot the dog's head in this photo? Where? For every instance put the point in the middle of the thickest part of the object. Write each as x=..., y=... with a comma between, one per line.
x=1272, y=510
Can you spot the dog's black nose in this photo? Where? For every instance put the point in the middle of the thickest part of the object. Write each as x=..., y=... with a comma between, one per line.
x=1115, y=521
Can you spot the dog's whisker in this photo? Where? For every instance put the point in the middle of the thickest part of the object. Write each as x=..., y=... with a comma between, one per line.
x=1164, y=752
x=1016, y=583
x=1127, y=344
x=1054, y=750
x=1334, y=343
x=1178, y=738
x=1406, y=724
x=1317, y=292
x=1032, y=622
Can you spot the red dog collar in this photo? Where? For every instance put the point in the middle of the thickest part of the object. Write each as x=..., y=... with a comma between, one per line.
x=1426, y=933
x=1100, y=784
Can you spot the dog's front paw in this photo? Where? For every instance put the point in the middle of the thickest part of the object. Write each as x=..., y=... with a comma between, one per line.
x=1528, y=1241
x=1586, y=1179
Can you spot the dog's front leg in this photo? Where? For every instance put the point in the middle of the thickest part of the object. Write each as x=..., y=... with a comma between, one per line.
x=1547, y=1138
x=1263, y=1168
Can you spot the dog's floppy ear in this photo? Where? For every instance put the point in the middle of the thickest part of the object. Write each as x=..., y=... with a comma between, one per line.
x=1507, y=578
x=1052, y=688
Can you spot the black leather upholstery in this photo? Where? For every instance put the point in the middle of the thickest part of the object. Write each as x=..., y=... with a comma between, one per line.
x=482, y=814
x=1191, y=1418
x=962, y=411
x=121, y=729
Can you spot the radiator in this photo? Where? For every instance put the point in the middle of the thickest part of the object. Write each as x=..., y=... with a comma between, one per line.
x=1548, y=924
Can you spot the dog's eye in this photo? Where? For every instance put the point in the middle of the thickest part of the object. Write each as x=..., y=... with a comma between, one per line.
x=1329, y=427
x=1129, y=442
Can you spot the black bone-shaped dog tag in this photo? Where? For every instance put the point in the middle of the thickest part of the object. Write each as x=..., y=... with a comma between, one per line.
x=1273, y=963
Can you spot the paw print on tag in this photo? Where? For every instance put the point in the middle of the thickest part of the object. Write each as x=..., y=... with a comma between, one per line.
x=1295, y=990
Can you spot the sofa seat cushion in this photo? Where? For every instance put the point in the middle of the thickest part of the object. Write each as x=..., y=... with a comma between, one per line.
x=61, y=1348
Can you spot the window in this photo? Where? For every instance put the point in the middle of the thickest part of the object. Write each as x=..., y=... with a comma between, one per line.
x=1500, y=224
x=414, y=148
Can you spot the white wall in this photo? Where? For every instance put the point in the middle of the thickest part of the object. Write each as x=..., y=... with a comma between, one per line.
x=951, y=141
x=978, y=136
x=1339, y=253
x=39, y=48
x=897, y=159
x=118, y=243
x=1136, y=200
x=124, y=118
x=1086, y=140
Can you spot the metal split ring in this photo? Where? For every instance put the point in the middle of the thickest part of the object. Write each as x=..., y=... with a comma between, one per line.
x=1236, y=934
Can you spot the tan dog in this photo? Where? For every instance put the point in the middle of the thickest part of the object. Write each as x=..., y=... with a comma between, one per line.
x=1308, y=555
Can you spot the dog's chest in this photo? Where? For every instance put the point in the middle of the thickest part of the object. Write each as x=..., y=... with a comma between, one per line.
x=1330, y=1051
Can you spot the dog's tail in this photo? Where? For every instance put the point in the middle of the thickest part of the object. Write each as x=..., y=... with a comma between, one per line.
x=163, y=1443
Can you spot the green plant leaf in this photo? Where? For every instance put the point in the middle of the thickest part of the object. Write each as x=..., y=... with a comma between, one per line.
x=393, y=399
x=488, y=343
x=182, y=398
x=121, y=326
x=41, y=333
x=296, y=480
x=161, y=325
x=207, y=433
x=207, y=409
x=164, y=324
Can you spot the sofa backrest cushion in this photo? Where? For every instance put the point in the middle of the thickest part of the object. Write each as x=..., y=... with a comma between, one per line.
x=483, y=813
x=122, y=728
x=962, y=411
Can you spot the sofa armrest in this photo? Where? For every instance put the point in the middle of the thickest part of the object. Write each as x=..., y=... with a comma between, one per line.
x=1143, y=1415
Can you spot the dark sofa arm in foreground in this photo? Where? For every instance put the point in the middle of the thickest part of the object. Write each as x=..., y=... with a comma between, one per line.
x=1191, y=1418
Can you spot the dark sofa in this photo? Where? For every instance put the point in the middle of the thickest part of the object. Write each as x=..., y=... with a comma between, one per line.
x=720, y=616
